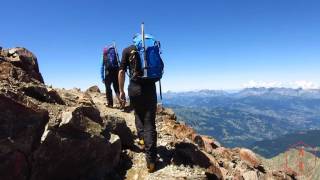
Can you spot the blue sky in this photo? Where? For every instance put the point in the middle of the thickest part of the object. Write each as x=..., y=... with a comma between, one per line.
x=213, y=44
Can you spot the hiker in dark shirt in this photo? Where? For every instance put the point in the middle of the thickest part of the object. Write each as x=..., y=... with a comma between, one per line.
x=109, y=73
x=143, y=99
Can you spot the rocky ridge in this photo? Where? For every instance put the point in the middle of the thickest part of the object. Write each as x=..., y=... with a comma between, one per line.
x=49, y=133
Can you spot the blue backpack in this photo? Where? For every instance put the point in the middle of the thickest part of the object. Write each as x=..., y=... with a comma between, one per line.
x=151, y=63
x=110, y=55
x=110, y=60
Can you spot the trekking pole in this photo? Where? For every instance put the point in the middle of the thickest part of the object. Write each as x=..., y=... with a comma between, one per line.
x=144, y=50
x=160, y=91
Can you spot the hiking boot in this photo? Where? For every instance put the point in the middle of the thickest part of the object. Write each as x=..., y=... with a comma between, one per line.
x=140, y=143
x=151, y=167
x=110, y=105
x=116, y=107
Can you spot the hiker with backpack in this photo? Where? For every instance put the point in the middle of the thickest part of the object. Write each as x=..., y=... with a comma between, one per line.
x=109, y=72
x=145, y=69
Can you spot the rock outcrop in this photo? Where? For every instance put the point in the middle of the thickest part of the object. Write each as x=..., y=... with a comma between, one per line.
x=48, y=133
x=19, y=64
x=44, y=135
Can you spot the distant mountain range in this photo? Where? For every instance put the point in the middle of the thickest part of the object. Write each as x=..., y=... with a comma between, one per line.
x=261, y=91
x=254, y=114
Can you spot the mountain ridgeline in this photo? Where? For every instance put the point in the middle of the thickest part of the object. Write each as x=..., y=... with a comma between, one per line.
x=271, y=148
x=249, y=116
x=50, y=133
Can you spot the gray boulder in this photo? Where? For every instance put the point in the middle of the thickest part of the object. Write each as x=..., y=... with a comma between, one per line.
x=76, y=149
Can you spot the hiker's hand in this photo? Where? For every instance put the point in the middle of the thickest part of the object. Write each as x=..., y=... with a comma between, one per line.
x=122, y=97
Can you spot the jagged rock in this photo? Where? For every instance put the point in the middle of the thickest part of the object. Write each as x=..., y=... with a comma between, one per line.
x=210, y=143
x=76, y=149
x=25, y=66
x=79, y=141
x=93, y=89
x=188, y=154
x=279, y=175
x=178, y=172
x=250, y=175
x=54, y=95
x=42, y=93
x=168, y=113
x=83, y=119
x=207, y=143
x=70, y=97
x=214, y=170
x=8, y=71
x=68, y=156
x=118, y=126
x=22, y=121
x=14, y=166
x=179, y=130
x=21, y=126
x=223, y=152
x=249, y=157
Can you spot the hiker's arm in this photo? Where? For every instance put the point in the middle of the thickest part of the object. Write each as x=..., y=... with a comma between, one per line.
x=122, y=76
x=103, y=68
x=121, y=80
x=122, y=95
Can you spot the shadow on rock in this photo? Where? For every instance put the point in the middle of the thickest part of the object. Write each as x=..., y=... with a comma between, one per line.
x=124, y=165
x=189, y=154
x=165, y=157
x=118, y=126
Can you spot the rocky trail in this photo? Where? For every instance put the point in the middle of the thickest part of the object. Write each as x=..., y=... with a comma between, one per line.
x=49, y=133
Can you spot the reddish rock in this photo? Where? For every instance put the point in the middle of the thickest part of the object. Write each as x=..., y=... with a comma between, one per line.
x=8, y=72
x=166, y=112
x=183, y=131
x=27, y=61
x=207, y=143
x=215, y=168
x=78, y=144
x=223, y=153
x=249, y=157
x=179, y=130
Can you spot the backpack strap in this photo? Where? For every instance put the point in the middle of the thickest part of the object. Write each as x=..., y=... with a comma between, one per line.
x=103, y=67
x=134, y=54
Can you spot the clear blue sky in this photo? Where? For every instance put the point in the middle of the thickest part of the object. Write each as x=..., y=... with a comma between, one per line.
x=213, y=44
